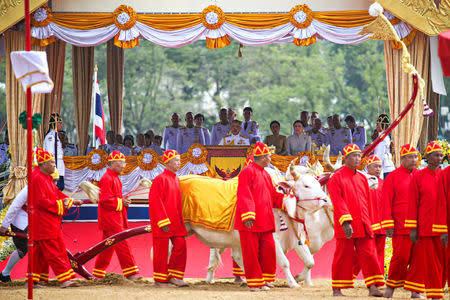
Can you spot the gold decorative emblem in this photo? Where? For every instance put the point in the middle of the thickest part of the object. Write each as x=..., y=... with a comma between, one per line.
x=250, y=150
x=422, y=15
x=98, y=159
x=124, y=17
x=301, y=16
x=42, y=16
x=148, y=159
x=109, y=242
x=213, y=17
x=197, y=154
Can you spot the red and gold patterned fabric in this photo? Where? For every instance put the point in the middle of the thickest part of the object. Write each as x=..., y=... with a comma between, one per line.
x=407, y=149
x=250, y=160
x=116, y=156
x=42, y=156
x=169, y=154
x=373, y=159
x=350, y=148
x=261, y=149
x=433, y=147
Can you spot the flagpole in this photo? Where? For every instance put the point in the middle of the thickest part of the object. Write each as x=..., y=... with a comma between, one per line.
x=94, y=140
x=29, y=160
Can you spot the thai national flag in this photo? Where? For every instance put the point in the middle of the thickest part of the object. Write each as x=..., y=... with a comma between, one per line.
x=99, y=117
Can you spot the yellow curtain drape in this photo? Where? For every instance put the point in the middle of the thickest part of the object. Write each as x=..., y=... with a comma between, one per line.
x=83, y=21
x=168, y=22
x=82, y=70
x=115, y=67
x=56, y=54
x=15, y=104
x=399, y=90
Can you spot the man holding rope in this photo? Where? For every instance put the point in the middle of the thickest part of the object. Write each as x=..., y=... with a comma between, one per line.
x=166, y=218
x=17, y=218
x=256, y=196
x=112, y=219
x=394, y=208
x=51, y=204
x=349, y=192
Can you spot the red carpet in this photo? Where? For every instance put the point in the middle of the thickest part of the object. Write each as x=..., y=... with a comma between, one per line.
x=81, y=236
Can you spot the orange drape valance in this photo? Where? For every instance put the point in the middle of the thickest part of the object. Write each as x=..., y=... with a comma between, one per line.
x=167, y=22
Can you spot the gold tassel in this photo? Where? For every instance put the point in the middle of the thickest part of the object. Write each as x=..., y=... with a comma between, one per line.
x=240, y=50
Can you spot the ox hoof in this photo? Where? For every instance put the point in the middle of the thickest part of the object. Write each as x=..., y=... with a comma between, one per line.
x=210, y=281
x=294, y=286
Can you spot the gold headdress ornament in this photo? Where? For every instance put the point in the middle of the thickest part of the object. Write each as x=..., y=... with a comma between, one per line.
x=54, y=120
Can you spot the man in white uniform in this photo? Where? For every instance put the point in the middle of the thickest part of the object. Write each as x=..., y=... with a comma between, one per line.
x=383, y=149
x=189, y=135
x=220, y=128
x=250, y=127
x=53, y=144
x=199, y=119
x=171, y=133
x=234, y=138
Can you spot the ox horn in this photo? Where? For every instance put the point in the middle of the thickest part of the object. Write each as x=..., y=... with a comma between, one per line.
x=326, y=160
x=294, y=173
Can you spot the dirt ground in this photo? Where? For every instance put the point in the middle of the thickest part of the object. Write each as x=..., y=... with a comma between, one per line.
x=116, y=287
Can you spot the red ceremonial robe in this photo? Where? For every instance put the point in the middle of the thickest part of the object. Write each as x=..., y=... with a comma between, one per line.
x=375, y=215
x=49, y=248
x=394, y=208
x=165, y=209
x=444, y=195
x=256, y=198
x=427, y=256
x=349, y=192
x=112, y=219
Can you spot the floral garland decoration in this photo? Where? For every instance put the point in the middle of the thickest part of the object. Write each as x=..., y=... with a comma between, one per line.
x=213, y=17
x=98, y=159
x=124, y=17
x=301, y=16
x=197, y=154
x=42, y=16
x=311, y=158
x=250, y=150
x=6, y=243
x=147, y=160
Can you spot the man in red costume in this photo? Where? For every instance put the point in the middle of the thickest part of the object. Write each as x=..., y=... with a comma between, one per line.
x=349, y=192
x=50, y=206
x=428, y=228
x=112, y=219
x=394, y=208
x=374, y=168
x=166, y=218
x=444, y=195
x=256, y=196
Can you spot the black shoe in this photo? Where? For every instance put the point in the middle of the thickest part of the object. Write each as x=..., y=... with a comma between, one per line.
x=4, y=278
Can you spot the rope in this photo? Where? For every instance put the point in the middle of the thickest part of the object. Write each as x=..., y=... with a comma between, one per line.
x=3, y=127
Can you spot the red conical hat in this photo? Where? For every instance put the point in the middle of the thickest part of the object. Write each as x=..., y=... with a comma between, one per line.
x=169, y=154
x=42, y=155
x=116, y=155
x=261, y=149
x=433, y=147
x=373, y=159
x=407, y=149
x=350, y=148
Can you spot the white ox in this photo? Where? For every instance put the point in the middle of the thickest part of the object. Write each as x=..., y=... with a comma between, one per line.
x=317, y=225
x=309, y=199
